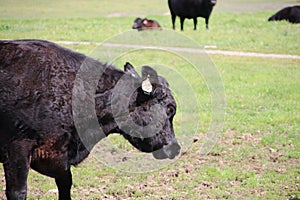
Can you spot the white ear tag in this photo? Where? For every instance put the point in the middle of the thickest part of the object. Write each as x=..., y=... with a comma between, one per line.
x=146, y=86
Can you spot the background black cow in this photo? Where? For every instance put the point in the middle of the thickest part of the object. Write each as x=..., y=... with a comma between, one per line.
x=291, y=14
x=191, y=9
x=37, y=127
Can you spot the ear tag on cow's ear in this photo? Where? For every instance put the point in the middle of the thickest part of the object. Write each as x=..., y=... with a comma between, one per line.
x=147, y=86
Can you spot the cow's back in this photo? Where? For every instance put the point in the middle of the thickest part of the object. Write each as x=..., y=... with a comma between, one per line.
x=291, y=14
x=36, y=81
x=295, y=14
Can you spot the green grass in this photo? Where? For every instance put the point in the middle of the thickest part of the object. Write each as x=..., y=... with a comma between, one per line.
x=268, y=96
x=256, y=157
x=236, y=32
x=30, y=9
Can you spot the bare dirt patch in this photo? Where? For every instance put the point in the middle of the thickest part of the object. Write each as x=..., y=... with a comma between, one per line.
x=239, y=167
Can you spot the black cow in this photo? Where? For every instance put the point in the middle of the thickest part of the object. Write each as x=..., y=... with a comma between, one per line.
x=291, y=14
x=38, y=80
x=145, y=24
x=191, y=9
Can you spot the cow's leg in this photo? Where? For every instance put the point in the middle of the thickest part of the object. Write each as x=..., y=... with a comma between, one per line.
x=206, y=22
x=64, y=184
x=16, y=167
x=195, y=23
x=181, y=22
x=173, y=21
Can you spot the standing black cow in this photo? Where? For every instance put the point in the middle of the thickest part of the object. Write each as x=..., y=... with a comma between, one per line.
x=191, y=9
x=291, y=14
x=37, y=117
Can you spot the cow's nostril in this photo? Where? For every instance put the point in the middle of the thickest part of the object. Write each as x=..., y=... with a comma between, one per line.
x=172, y=150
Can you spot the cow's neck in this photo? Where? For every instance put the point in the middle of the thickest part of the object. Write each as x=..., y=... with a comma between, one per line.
x=103, y=102
x=91, y=130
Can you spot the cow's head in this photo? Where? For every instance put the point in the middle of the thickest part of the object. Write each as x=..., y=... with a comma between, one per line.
x=144, y=112
x=137, y=24
x=272, y=18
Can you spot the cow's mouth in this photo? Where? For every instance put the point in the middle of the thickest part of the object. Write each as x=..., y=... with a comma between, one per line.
x=168, y=151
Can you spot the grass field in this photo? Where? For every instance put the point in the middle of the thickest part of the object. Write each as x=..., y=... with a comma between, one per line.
x=258, y=153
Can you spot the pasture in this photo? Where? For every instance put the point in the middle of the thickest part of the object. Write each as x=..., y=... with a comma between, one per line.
x=257, y=155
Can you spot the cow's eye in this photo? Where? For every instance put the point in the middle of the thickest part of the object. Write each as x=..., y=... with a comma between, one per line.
x=171, y=110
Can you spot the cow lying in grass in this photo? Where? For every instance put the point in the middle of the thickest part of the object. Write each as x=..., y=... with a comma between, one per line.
x=290, y=14
x=145, y=24
x=37, y=128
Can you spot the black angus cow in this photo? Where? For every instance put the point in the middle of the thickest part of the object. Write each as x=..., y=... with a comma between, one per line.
x=191, y=9
x=145, y=24
x=291, y=14
x=37, y=127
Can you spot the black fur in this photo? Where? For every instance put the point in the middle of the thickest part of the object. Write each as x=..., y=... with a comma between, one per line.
x=290, y=14
x=191, y=9
x=37, y=128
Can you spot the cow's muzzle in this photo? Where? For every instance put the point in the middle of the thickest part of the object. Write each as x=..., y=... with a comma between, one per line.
x=168, y=151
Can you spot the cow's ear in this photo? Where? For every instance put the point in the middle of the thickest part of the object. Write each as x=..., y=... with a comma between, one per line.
x=150, y=79
x=130, y=69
